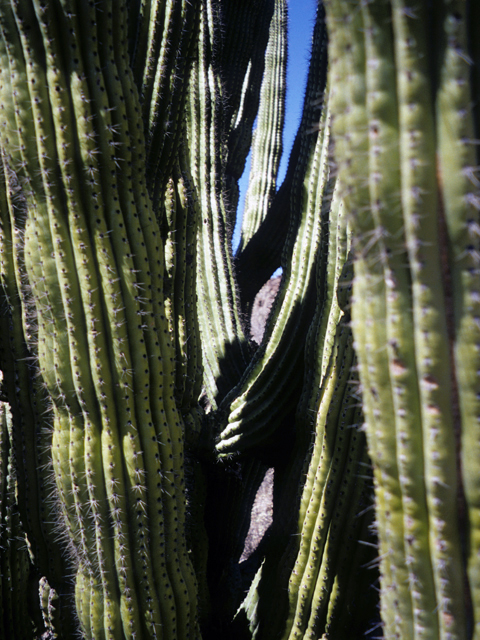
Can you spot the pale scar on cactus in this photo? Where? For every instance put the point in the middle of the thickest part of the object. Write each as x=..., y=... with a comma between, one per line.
x=138, y=418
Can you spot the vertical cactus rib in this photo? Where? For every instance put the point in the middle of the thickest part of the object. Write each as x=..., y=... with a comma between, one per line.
x=223, y=342
x=32, y=433
x=350, y=126
x=322, y=340
x=399, y=310
x=333, y=280
x=339, y=547
x=118, y=438
x=459, y=204
x=257, y=399
x=420, y=207
x=180, y=221
x=184, y=580
x=308, y=583
x=384, y=188
x=389, y=606
x=241, y=58
x=316, y=585
x=168, y=45
x=267, y=145
x=242, y=31
x=352, y=587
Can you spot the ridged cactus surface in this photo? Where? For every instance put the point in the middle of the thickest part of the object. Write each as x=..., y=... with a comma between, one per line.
x=94, y=263
x=405, y=145
x=138, y=418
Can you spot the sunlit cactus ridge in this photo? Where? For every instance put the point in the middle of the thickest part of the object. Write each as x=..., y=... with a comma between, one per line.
x=139, y=417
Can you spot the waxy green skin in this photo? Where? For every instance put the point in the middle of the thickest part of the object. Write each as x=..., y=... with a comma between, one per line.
x=406, y=321
x=102, y=476
x=138, y=419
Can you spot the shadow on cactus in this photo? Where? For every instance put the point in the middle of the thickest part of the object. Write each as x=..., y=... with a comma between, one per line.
x=139, y=418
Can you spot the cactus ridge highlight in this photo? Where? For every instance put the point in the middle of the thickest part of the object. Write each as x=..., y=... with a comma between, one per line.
x=252, y=405
x=401, y=295
x=267, y=145
x=140, y=420
x=115, y=480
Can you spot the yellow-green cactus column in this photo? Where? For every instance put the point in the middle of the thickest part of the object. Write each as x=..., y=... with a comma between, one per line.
x=94, y=260
x=402, y=122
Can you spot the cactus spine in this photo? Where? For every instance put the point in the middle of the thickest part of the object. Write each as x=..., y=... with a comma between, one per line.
x=138, y=420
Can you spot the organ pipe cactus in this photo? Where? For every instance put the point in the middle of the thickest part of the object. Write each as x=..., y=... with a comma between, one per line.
x=138, y=419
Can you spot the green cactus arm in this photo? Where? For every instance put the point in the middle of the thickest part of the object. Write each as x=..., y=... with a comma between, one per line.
x=180, y=223
x=253, y=404
x=26, y=396
x=322, y=337
x=170, y=451
x=171, y=41
x=103, y=381
x=84, y=218
x=56, y=371
x=114, y=482
x=267, y=142
x=384, y=187
x=60, y=358
x=223, y=342
x=261, y=256
x=320, y=496
x=25, y=393
x=245, y=37
x=459, y=204
x=336, y=451
x=333, y=283
x=30, y=407
x=389, y=612
x=353, y=588
x=420, y=289
x=350, y=126
x=52, y=609
x=242, y=31
x=420, y=207
x=338, y=549
x=188, y=331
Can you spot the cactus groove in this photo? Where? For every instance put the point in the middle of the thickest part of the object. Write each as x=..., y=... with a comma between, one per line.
x=137, y=417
